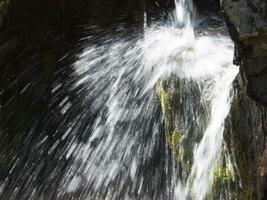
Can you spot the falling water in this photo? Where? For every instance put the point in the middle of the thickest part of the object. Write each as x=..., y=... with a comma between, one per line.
x=126, y=154
x=119, y=78
x=208, y=151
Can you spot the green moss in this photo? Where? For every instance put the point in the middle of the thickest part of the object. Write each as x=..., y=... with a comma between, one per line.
x=169, y=99
x=173, y=139
x=173, y=136
x=222, y=173
x=224, y=182
x=164, y=98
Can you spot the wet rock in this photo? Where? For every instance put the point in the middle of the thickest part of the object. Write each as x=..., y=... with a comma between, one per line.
x=247, y=134
x=247, y=23
x=225, y=179
x=181, y=105
x=246, y=137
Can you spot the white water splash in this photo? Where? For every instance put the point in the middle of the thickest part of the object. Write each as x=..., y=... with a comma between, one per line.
x=207, y=153
x=119, y=78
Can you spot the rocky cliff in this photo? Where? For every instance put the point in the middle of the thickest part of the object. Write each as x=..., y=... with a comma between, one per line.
x=247, y=132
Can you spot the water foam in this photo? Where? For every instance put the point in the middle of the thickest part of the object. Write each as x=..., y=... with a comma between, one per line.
x=119, y=79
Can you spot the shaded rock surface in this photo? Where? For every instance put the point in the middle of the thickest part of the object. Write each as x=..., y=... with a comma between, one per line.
x=3, y=9
x=247, y=24
x=246, y=137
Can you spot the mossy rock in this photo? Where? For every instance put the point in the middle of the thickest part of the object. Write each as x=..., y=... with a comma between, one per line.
x=181, y=136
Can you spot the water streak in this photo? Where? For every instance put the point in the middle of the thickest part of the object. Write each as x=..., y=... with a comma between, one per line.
x=119, y=78
x=95, y=112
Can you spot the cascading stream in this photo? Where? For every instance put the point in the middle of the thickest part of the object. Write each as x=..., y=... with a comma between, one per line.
x=207, y=152
x=119, y=78
x=134, y=116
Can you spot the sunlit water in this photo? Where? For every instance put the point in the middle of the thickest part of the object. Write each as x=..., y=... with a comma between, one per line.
x=117, y=80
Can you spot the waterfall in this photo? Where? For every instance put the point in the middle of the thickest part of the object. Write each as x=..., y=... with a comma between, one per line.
x=207, y=152
x=117, y=79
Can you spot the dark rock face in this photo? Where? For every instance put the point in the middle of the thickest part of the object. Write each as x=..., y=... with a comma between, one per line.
x=246, y=137
x=3, y=9
x=247, y=24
